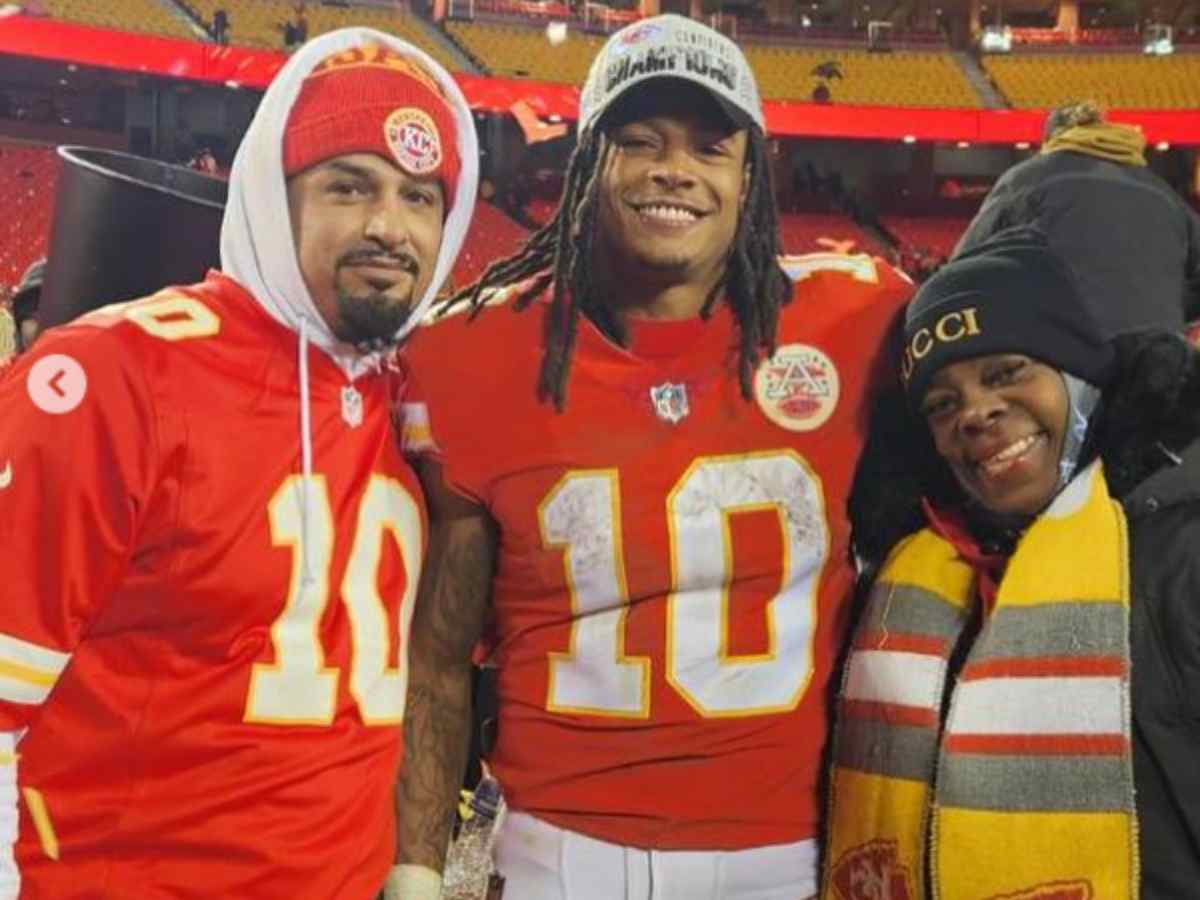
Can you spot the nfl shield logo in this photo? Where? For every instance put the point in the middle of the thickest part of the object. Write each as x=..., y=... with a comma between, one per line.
x=670, y=402
x=352, y=407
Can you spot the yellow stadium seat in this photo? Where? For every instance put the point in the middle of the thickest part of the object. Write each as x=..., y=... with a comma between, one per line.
x=260, y=23
x=1114, y=80
x=121, y=15
x=901, y=78
x=895, y=79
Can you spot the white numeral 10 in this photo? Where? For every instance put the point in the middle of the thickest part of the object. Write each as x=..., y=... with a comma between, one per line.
x=594, y=676
x=298, y=688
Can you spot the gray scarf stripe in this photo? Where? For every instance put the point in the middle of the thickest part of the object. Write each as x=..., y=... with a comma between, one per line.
x=908, y=609
x=1094, y=629
x=901, y=751
x=1035, y=783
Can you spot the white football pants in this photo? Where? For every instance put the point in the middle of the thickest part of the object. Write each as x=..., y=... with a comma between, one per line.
x=543, y=862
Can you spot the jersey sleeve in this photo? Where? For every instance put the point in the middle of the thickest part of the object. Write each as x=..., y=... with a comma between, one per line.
x=77, y=443
x=440, y=406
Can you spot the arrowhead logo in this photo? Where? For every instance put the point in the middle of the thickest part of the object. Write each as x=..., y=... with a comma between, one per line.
x=6, y=475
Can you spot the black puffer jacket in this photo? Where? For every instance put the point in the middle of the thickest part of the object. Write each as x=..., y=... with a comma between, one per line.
x=1133, y=242
x=1149, y=438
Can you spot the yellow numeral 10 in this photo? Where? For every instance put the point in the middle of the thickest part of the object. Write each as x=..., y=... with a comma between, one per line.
x=298, y=688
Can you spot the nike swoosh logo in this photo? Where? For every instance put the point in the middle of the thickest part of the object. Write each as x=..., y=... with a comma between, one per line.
x=6, y=475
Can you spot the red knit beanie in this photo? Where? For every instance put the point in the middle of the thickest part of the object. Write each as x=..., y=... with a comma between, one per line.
x=373, y=100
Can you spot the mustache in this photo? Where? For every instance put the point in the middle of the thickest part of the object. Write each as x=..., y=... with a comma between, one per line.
x=383, y=258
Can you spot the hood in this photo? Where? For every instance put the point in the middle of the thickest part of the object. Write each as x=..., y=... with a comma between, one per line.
x=1124, y=144
x=257, y=248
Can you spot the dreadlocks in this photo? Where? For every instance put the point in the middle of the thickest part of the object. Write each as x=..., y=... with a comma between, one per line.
x=561, y=252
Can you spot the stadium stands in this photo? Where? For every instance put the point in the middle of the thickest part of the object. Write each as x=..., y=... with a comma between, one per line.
x=1129, y=80
x=817, y=232
x=260, y=23
x=784, y=72
x=937, y=234
x=522, y=51
x=28, y=178
x=884, y=79
x=122, y=15
x=491, y=236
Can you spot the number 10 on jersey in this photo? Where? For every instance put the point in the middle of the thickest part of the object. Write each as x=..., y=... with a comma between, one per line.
x=581, y=515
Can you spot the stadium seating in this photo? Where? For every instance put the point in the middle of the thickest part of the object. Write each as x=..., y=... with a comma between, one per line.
x=121, y=15
x=822, y=232
x=936, y=234
x=28, y=178
x=1130, y=80
x=522, y=51
x=259, y=23
x=784, y=72
x=492, y=235
x=883, y=79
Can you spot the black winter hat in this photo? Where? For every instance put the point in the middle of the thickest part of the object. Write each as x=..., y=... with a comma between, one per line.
x=1010, y=294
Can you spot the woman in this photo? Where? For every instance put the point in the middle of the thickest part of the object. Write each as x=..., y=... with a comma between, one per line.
x=1020, y=713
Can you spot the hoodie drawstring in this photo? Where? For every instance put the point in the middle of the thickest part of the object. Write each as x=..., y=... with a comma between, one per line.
x=306, y=577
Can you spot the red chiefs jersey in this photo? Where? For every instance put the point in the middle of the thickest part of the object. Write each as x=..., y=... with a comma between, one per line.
x=211, y=679
x=673, y=567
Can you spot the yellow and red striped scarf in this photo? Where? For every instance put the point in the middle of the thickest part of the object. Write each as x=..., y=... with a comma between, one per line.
x=1024, y=789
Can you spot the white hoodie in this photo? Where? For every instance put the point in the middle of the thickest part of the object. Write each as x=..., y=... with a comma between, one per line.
x=257, y=247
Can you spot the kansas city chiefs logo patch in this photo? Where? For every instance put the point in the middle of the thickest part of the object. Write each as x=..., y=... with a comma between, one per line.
x=414, y=140
x=872, y=871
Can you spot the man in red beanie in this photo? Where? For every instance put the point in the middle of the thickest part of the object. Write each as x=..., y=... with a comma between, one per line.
x=212, y=544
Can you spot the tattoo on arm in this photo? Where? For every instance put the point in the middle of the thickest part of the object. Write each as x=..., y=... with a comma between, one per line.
x=451, y=608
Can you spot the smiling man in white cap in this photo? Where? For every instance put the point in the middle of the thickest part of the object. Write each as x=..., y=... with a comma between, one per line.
x=211, y=542
x=658, y=519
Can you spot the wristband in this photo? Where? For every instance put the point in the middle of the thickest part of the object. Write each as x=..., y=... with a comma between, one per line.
x=409, y=882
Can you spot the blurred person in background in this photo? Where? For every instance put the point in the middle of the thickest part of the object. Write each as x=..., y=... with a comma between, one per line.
x=1132, y=241
x=8, y=335
x=24, y=304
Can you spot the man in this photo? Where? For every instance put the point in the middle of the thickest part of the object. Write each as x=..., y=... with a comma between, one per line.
x=657, y=514
x=1132, y=241
x=211, y=545
x=220, y=26
x=24, y=304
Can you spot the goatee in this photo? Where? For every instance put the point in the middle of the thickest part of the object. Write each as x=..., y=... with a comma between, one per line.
x=370, y=319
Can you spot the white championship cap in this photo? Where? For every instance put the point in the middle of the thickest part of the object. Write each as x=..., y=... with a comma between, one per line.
x=670, y=46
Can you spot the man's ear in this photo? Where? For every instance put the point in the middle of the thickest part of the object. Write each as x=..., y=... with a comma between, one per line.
x=747, y=173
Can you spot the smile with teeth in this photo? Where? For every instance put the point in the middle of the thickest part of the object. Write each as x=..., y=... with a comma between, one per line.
x=667, y=214
x=1006, y=458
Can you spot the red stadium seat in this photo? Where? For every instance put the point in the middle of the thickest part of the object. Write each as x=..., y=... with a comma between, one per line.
x=28, y=178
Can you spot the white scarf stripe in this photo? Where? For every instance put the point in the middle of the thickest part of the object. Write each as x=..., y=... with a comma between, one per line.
x=1021, y=706
x=888, y=676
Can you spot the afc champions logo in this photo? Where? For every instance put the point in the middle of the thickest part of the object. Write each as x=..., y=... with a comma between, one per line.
x=413, y=139
x=871, y=871
x=798, y=387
